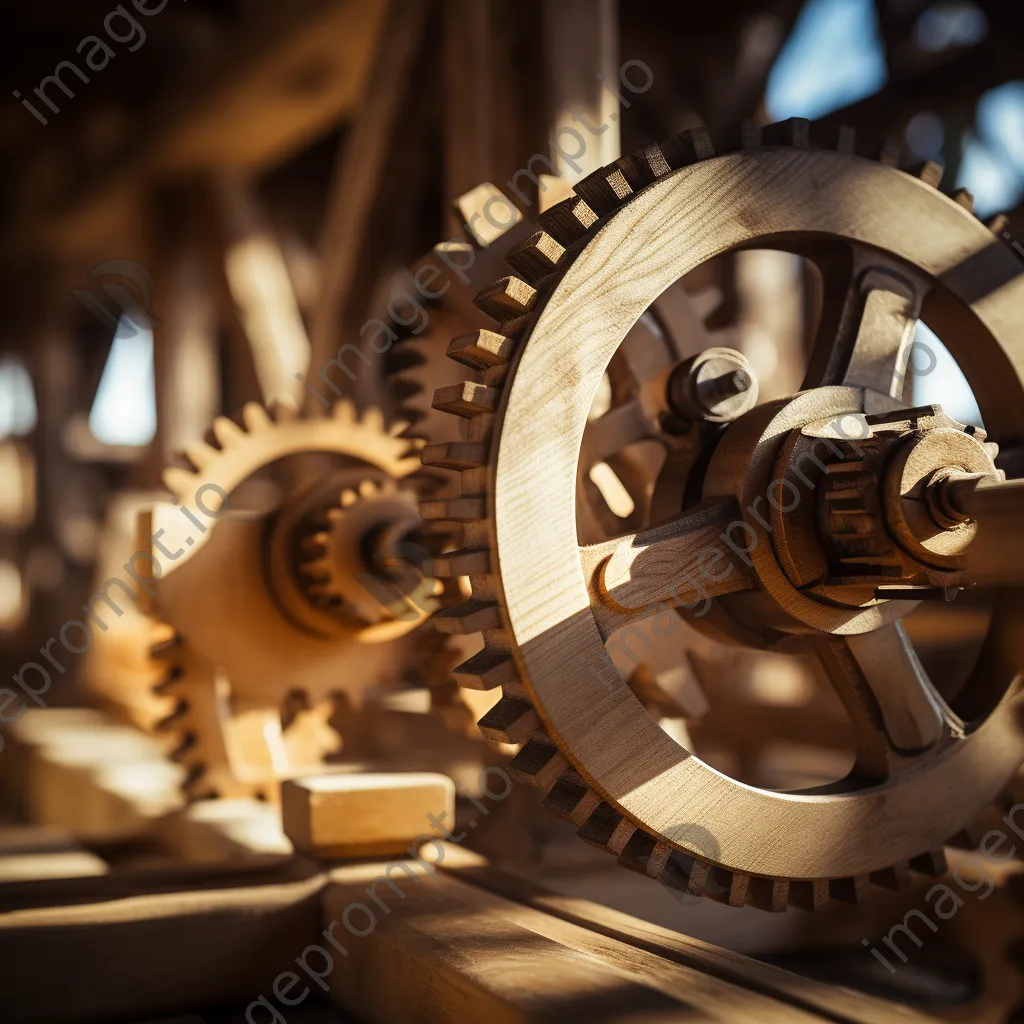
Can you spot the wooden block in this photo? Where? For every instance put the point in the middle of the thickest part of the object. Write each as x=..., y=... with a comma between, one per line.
x=365, y=815
x=99, y=779
x=240, y=830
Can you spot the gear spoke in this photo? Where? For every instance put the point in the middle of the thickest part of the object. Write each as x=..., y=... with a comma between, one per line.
x=608, y=434
x=894, y=708
x=681, y=564
x=868, y=327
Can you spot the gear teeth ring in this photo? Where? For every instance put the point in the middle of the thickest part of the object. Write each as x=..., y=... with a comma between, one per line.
x=197, y=711
x=513, y=302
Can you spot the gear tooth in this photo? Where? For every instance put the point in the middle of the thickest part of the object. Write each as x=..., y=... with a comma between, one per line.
x=813, y=894
x=658, y=859
x=606, y=829
x=283, y=410
x=227, y=432
x=962, y=197
x=840, y=139
x=506, y=299
x=196, y=785
x=733, y=138
x=892, y=878
x=929, y=172
x=568, y=221
x=465, y=509
x=368, y=490
x=405, y=357
x=467, y=399
x=486, y=670
x=373, y=418
x=636, y=854
x=537, y=258
x=184, y=748
x=472, y=616
x=167, y=685
x=572, y=800
x=464, y=562
x=999, y=224
x=643, y=166
x=166, y=647
x=539, y=764
x=770, y=894
x=478, y=220
x=344, y=411
x=850, y=890
x=180, y=482
x=255, y=417
x=738, y=889
x=348, y=498
x=481, y=350
x=173, y=721
x=511, y=720
x=201, y=455
x=459, y=455
x=402, y=389
x=688, y=147
x=886, y=153
x=681, y=871
x=604, y=190
x=399, y=427
x=933, y=863
x=846, y=142
x=795, y=132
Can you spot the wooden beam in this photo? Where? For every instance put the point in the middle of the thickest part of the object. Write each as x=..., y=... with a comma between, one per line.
x=291, y=74
x=823, y=1002
x=437, y=945
x=357, y=179
x=111, y=949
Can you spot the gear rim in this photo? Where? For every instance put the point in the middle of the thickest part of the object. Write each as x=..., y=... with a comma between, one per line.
x=549, y=766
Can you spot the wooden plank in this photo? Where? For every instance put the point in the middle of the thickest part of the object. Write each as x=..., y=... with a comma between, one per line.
x=823, y=1001
x=358, y=177
x=107, y=950
x=445, y=950
x=30, y=852
x=81, y=771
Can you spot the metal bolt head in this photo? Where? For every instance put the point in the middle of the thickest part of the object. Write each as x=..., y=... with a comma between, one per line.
x=717, y=385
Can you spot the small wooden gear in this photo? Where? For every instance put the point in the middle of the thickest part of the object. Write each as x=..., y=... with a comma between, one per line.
x=291, y=596
x=891, y=249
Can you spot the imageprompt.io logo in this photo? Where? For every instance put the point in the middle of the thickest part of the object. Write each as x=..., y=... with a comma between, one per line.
x=703, y=846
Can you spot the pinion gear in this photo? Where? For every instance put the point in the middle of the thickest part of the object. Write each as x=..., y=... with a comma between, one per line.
x=248, y=639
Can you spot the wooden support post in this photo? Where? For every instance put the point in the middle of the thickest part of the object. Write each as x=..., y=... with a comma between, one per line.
x=357, y=180
x=581, y=42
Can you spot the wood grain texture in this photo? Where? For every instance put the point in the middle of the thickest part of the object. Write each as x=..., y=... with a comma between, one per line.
x=831, y=1002
x=364, y=814
x=112, y=950
x=652, y=241
x=447, y=951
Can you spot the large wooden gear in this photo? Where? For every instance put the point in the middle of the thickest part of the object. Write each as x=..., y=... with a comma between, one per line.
x=891, y=249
